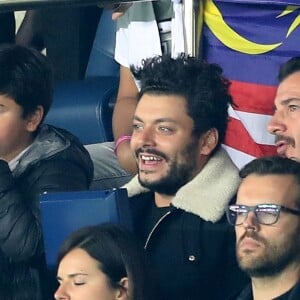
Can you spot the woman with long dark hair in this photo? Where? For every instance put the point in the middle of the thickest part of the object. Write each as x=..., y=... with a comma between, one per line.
x=102, y=262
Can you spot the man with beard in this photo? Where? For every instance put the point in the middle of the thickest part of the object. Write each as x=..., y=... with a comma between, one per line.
x=266, y=217
x=285, y=123
x=185, y=179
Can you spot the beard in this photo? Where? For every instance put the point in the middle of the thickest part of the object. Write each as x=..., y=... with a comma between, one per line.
x=178, y=174
x=275, y=257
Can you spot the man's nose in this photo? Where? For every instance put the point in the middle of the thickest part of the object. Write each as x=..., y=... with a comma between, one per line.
x=146, y=137
x=276, y=124
x=251, y=222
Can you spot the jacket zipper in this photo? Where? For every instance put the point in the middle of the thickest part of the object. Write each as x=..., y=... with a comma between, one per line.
x=154, y=228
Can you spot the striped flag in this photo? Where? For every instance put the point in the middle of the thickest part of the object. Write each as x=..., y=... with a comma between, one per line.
x=250, y=39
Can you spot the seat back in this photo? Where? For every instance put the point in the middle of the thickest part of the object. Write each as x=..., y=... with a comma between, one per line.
x=101, y=61
x=64, y=212
x=85, y=108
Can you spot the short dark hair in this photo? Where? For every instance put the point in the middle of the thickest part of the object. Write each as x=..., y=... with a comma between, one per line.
x=200, y=83
x=273, y=165
x=118, y=253
x=289, y=67
x=26, y=76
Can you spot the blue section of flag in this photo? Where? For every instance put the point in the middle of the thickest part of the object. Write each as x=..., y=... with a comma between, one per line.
x=273, y=2
x=258, y=23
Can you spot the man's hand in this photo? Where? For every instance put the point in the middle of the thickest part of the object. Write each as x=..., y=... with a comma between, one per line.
x=120, y=10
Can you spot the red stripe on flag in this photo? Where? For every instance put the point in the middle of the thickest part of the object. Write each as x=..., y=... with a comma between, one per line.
x=238, y=138
x=254, y=98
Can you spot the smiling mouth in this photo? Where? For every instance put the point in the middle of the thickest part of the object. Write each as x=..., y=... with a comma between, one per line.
x=150, y=159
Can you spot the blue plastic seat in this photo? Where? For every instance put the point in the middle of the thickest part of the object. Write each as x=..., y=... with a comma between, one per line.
x=64, y=212
x=84, y=107
x=101, y=61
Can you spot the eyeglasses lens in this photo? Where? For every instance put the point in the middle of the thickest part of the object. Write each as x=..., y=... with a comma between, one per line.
x=267, y=215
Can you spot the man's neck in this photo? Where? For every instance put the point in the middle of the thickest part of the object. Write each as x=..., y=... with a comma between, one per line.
x=162, y=200
x=271, y=287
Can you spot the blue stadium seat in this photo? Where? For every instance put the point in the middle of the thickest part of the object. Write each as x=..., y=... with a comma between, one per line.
x=84, y=107
x=65, y=212
x=101, y=61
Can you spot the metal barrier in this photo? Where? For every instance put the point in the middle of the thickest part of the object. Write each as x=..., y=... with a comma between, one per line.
x=13, y=5
x=193, y=23
x=191, y=10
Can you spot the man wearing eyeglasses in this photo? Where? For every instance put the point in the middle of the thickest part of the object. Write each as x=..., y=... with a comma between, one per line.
x=266, y=217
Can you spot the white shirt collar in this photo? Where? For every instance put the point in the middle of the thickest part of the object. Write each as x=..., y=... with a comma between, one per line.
x=14, y=162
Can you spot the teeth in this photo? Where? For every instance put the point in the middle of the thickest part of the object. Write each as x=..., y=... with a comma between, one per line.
x=149, y=158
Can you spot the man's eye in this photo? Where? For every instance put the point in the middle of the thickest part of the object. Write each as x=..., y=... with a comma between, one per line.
x=241, y=212
x=136, y=126
x=165, y=129
x=3, y=108
x=293, y=107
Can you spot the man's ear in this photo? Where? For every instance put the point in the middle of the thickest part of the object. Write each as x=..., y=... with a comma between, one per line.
x=34, y=119
x=208, y=141
x=123, y=291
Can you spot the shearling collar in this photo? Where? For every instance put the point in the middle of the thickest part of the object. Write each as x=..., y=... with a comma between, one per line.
x=209, y=193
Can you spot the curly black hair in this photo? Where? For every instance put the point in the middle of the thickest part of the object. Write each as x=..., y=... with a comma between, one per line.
x=200, y=83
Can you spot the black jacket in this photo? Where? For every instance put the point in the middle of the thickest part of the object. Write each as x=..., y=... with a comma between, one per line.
x=56, y=161
x=246, y=294
x=191, y=247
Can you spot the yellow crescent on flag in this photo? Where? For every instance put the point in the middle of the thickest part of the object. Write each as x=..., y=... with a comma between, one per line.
x=289, y=9
x=214, y=20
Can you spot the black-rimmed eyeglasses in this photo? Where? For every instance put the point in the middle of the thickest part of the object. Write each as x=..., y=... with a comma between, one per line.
x=266, y=214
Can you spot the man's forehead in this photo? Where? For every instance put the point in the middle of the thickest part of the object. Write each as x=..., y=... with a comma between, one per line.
x=164, y=105
x=288, y=91
x=290, y=83
x=286, y=101
x=143, y=118
x=276, y=186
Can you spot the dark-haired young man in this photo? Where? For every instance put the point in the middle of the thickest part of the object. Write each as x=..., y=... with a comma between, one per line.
x=34, y=159
x=266, y=217
x=185, y=179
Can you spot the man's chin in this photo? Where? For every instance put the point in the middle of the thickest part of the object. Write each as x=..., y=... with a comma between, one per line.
x=148, y=177
x=146, y=180
x=248, y=260
x=159, y=186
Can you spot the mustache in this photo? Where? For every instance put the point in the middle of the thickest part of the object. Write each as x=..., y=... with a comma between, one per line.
x=286, y=139
x=150, y=151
